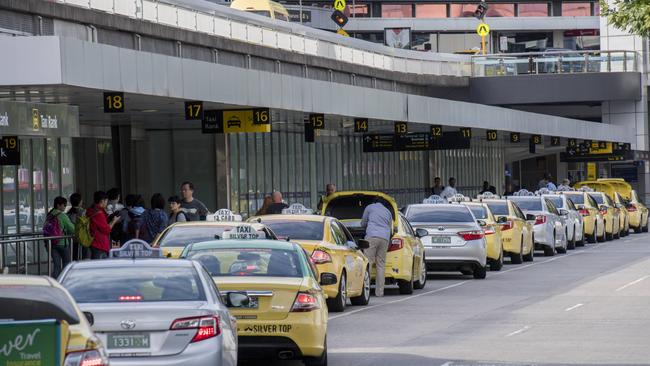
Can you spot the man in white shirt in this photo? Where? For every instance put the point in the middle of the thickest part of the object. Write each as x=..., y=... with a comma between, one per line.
x=450, y=189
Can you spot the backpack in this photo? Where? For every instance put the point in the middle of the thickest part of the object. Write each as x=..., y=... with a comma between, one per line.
x=133, y=227
x=82, y=231
x=52, y=227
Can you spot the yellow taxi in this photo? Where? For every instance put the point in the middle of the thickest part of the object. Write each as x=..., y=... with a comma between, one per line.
x=624, y=217
x=331, y=247
x=637, y=211
x=609, y=188
x=30, y=298
x=592, y=219
x=177, y=236
x=516, y=232
x=405, y=258
x=610, y=214
x=285, y=317
x=492, y=232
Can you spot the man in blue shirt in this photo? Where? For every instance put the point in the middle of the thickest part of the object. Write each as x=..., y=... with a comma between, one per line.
x=378, y=222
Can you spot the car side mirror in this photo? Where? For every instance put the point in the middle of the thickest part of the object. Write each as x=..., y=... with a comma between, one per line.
x=563, y=212
x=421, y=233
x=237, y=300
x=363, y=244
x=602, y=208
x=481, y=223
x=90, y=317
x=530, y=217
x=327, y=279
x=502, y=220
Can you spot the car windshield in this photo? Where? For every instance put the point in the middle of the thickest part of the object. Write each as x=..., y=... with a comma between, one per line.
x=597, y=197
x=38, y=302
x=479, y=212
x=251, y=262
x=296, y=229
x=182, y=236
x=578, y=199
x=498, y=208
x=458, y=213
x=557, y=201
x=528, y=204
x=134, y=283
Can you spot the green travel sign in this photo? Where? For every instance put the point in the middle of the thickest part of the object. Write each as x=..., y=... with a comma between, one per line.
x=30, y=343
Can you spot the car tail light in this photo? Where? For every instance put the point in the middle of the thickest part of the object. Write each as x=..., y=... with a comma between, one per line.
x=631, y=208
x=603, y=211
x=584, y=212
x=471, y=235
x=206, y=326
x=540, y=219
x=396, y=244
x=488, y=231
x=86, y=358
x=130, y=298
x=305, y=302
x=507, y=225
x=320, y=257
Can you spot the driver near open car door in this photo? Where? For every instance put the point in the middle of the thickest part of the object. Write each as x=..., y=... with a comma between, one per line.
x=378, y=222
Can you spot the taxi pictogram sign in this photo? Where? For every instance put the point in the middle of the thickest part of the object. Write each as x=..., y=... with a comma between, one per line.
x=483, y=29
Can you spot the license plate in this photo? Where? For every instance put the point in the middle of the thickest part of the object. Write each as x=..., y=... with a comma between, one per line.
x=441, y=240
x=128, y=340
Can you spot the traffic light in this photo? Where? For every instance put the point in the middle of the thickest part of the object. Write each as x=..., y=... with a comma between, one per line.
x=481, y=10
x=339, y=18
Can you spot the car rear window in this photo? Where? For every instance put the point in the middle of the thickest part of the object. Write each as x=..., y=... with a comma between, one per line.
x=597, y=197
x=352, y=207
x=250, y=262
x=557, y=201
x=460, y=213
x=36, y=303
x=296, y=229
x=498, y=208
x=479, y=212
x=528, y=204
x=578, y=199
x=134, y=284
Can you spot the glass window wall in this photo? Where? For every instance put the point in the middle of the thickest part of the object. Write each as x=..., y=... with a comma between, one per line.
x=396, y=10
x=430, y=10
x=533, y=9
x=576, y=9
x=501, y=10
x=462, y=10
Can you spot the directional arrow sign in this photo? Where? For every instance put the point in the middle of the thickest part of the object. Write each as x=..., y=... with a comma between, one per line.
x=339, y=5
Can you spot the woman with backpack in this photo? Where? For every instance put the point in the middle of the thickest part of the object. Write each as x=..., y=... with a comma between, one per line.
x=176, y=214
x=74, y=213
x=132, y=217
x=57, y=223
x=154, y=220
x=100, y=228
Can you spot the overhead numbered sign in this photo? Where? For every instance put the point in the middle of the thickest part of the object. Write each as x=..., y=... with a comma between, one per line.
x=555, y=141
x=491, y=135
x=466, y=133
x=572, y=143
x=483, y=30
x=536, y=139
x=401, y=128
x=317, y=121
x=193, y=110
x=113, y=102
x=436, y=131
x=238, y=120
x=339, y=5
x=515, y=137
x=360, y=125
x=9, y=150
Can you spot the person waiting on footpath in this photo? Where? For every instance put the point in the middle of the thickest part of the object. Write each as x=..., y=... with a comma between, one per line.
x=194, y=209
x=114, y=206
x=488, y=188
x=330, y=189
x=57, y=223
x=75, y=211
x=268, y=201
x=154, y=220
x=100, y=228
x=175, y=215
x=378, y=222
x=450, y=190
x=437, y=186
x=277, y=206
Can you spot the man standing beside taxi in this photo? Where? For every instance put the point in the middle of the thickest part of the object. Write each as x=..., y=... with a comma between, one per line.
x=193, y=209
x=378, y=222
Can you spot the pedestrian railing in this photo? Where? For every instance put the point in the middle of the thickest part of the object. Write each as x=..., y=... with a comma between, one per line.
x=30, y=253
x=240, y=26
x=555, y=62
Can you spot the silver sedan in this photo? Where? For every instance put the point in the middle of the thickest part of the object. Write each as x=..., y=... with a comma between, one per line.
x=158, y=312
x=550, y=230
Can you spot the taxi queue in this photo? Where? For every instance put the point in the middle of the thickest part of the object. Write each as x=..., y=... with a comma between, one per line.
x=222, y=290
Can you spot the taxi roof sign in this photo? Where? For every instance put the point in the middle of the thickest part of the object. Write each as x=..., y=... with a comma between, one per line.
x=586, y=189
x=459, y=198
x=243, y=232
x=135, y=248
x=434, y=199
x=564, y=188
x=487, y=196
x=542, y=191
x=224, y=214
x=297, y=209
x=523, y=193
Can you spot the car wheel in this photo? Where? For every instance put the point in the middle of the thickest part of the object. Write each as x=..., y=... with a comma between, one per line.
x=638, y=230
x=531, y=255
x=604, y=237
x=609, y=237
x=479, y=272
x=517, y=258
x=496, y=265
x=645, y=228
x=581, y=242
x=406, y=286
x=571, y=244
x=549, y=251
x=317, y=361
x=364, y=298
x=422, y=281
x=338, y=303
x=594, y=236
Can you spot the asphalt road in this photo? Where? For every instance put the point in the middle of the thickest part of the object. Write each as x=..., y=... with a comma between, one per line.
x=588, y=307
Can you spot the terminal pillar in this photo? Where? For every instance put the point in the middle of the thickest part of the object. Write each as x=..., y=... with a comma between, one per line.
x=122, y=157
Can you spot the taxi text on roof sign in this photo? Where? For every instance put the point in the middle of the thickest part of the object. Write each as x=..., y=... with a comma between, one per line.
x=243, y=231
x=434, y=199
x=135, y=248
x=297, y=209
x=224, y=214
